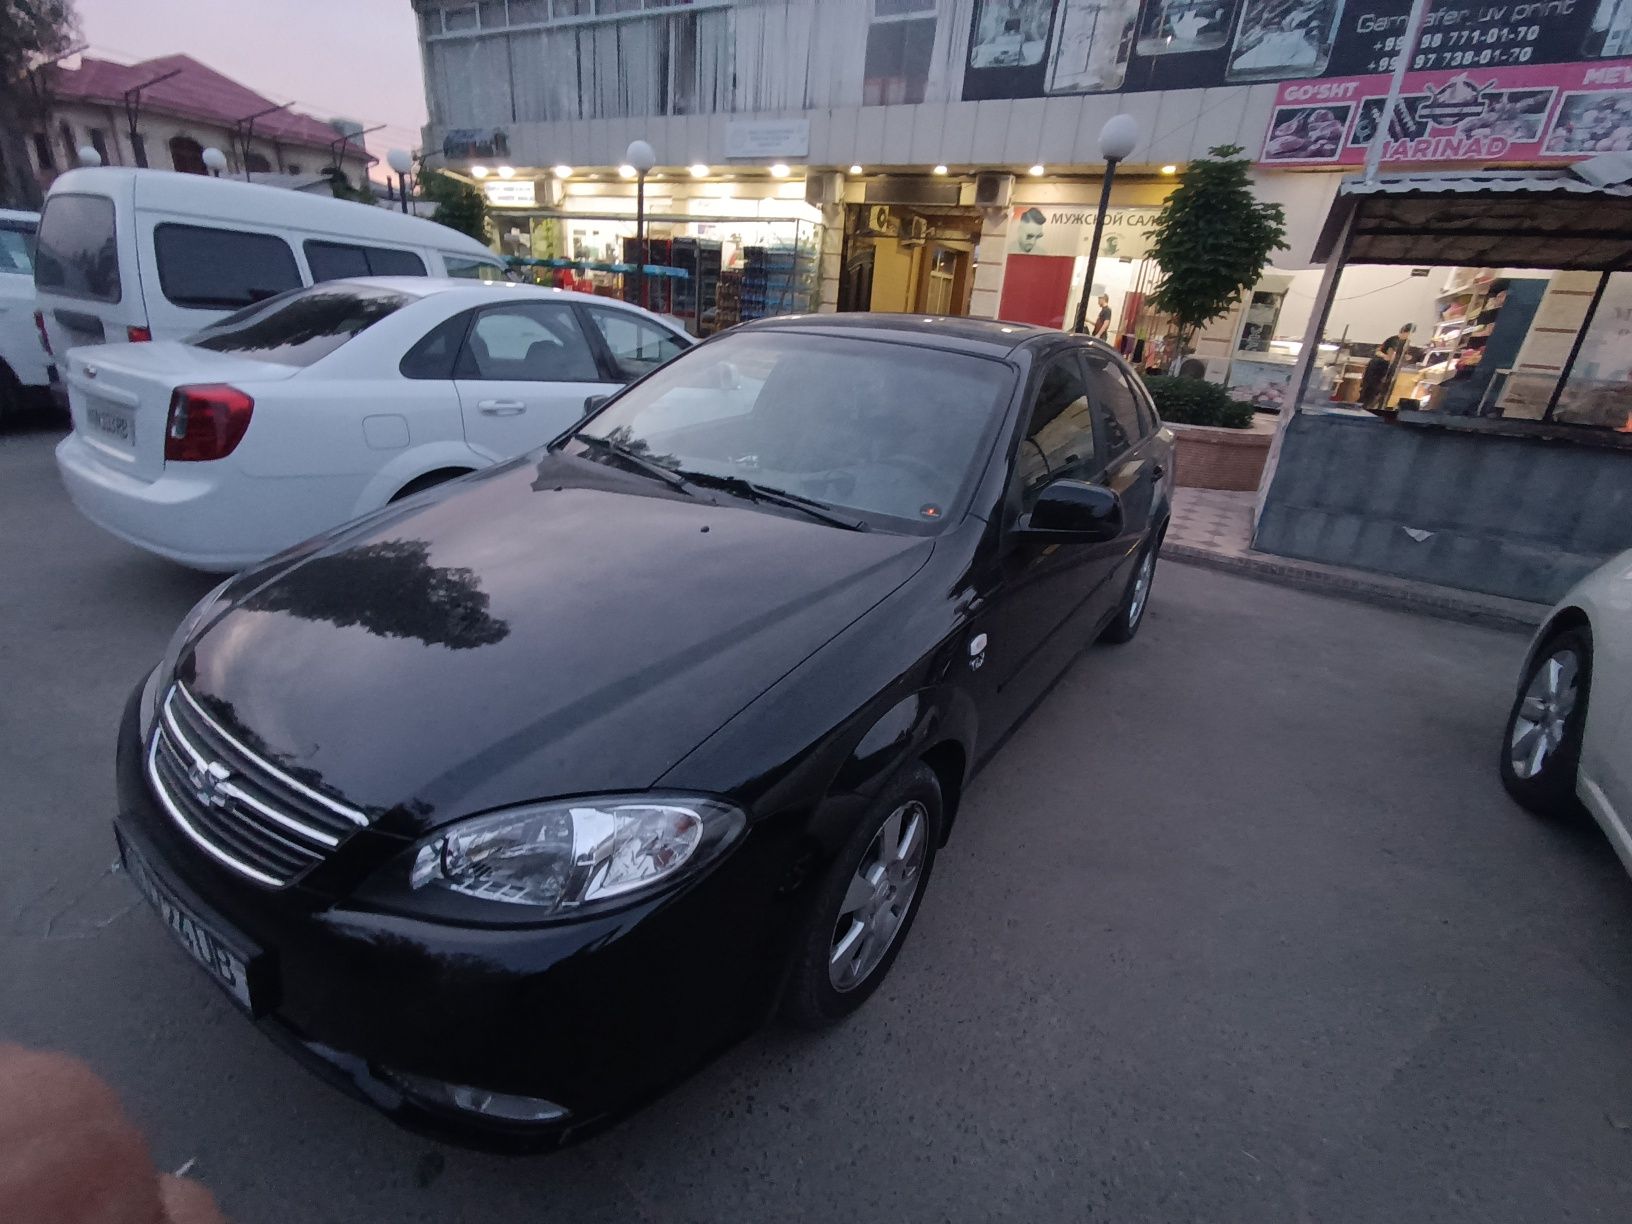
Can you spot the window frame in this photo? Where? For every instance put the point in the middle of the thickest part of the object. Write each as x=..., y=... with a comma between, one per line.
x=458, y=324
x=604, y=356
x=192, y=304
x=1089, y=470
x=367, y=253
x=1103, y=413
x=118, y=294
x=465, y=370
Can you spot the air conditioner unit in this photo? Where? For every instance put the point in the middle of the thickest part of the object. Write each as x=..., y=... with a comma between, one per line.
x=916, y=232
x=993, y=190
x=824, y=188
x=880, y=221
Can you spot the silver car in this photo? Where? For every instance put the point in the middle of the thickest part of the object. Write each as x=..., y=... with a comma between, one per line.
x=1565, y=742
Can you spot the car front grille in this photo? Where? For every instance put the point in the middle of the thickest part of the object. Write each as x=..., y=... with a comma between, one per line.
x=237, y=807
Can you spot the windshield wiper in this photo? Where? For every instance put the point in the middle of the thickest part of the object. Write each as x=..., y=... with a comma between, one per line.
x=777, y=497
x=650, y=466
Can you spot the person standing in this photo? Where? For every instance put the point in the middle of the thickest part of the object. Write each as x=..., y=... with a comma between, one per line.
x=1102, y=322
x=1378, y=378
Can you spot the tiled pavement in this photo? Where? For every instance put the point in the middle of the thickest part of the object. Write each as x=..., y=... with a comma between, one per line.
x=1213, y=527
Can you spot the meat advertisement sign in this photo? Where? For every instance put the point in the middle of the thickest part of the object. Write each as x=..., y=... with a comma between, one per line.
x=1505, y=112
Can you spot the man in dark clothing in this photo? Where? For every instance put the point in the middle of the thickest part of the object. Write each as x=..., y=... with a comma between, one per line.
x=1102, y=323
x=1374, y=383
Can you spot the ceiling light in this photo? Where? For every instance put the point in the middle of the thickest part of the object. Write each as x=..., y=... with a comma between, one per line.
x=1170, y=169
x=507, y=172
x=940, y=169
x=626, y=171
x=478, y=171
x=563, y=172
x=855, y=169
x=698, y=170
x=780, y=170
x=1035, y=171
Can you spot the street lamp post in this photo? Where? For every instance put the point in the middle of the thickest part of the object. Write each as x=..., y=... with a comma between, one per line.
x=1116, y=141
x=401, y=161
x=642, y=157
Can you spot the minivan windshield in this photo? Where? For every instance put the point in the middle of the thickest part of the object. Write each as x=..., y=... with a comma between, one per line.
x=885, y=430
x=299, y=327
x=78, y=254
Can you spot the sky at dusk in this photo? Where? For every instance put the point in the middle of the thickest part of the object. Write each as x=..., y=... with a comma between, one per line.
x=352, y=59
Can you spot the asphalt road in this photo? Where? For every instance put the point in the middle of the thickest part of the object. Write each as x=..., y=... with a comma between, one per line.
x=1238, y=927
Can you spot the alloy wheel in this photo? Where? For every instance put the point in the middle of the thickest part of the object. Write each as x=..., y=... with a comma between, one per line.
x=1544, y=713
x=879, y=897
x=1141, y=588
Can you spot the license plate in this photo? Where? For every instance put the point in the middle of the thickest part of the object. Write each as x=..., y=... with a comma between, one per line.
x=115, y=424
x=227, y=966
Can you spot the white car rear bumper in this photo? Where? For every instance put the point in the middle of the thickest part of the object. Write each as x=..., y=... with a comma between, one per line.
x=195, y=518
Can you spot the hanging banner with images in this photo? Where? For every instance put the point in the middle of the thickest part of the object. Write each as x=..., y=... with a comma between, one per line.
x=1036, y=48
x=1046, y=229
x=1526, y=113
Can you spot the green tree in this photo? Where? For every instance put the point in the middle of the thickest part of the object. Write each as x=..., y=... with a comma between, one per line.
x=1212, y=239
x=458, y=205
x=32, y=32
x=343, y=190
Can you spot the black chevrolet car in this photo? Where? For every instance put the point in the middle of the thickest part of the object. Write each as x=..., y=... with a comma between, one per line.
x=511, y=803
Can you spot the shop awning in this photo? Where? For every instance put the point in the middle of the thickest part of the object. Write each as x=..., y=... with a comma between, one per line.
x=1493, y=219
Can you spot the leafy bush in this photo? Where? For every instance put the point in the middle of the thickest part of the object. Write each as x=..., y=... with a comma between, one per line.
x=1195, y=401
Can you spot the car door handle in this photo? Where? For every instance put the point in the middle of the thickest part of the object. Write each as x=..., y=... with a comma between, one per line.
x=501, y=407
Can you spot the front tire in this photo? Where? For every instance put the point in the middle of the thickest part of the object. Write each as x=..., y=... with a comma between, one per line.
x=1541, y=746
x=866, y=903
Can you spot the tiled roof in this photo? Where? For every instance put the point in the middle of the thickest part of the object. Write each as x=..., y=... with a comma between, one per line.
x=196, y=92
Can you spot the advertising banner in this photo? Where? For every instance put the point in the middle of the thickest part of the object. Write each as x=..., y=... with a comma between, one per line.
x=1035, y=48
x=1524, y=113
x=1045, y=229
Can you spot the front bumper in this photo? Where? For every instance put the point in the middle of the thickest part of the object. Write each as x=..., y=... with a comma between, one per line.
x=594, y=1015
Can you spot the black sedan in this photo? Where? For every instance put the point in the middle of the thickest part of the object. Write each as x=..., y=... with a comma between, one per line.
x=511, y=803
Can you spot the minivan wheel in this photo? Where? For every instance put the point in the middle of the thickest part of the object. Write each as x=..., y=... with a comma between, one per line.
x=1541, y=746
x=1130, y=613
x=866, y=903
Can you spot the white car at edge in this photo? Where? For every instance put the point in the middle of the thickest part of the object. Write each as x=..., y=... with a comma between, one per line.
x=24, y=367
x=329, y=401
x=1571, y=720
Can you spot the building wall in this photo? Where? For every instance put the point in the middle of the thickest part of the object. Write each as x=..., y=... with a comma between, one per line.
x=158, y=130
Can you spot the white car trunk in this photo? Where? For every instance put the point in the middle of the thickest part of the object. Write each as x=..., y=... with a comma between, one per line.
x=119, y=395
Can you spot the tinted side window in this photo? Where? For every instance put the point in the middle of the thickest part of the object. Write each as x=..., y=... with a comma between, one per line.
x=299, y=328
x=528, y=342
x=466, y=268
x=338, y=260
x=432, y=356
x=217, y=269
x=637, y=347
x=1148, y=423
x=1113, y=400
x=1059, y=439
x=78, y=254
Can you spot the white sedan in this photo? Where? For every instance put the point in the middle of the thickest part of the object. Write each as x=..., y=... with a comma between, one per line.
x=324, y=403
x=1565, y=742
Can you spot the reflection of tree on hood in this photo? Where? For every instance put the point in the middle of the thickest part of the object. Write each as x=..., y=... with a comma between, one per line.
x=391, y=590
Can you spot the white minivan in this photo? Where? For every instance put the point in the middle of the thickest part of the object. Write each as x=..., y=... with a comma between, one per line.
x=127, y=255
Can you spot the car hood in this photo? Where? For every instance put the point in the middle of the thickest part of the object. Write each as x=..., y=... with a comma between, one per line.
x=552, y=627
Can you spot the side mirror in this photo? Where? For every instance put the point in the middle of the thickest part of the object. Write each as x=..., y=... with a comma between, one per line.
x=591, y=403
x=1076, y=509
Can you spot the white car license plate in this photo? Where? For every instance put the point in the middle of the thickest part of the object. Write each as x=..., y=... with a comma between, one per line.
x=115, y=425
x=206, y=947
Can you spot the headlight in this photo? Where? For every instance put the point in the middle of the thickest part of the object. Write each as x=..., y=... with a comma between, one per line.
x=561, y=856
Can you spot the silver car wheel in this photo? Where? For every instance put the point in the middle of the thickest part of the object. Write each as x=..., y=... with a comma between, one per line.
x=879, y=897
x=1544, y=713
x=1141, y=588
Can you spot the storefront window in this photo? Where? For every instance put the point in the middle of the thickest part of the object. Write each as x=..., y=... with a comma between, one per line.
x=1598, y=390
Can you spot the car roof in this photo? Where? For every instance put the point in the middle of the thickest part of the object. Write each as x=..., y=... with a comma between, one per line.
x=475, y=292
x=224, y=199
x=985, y=337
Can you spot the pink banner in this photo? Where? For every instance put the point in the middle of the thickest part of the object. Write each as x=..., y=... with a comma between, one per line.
x=1510, y=113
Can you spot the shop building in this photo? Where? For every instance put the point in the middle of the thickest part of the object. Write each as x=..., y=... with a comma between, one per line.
x=940, y=156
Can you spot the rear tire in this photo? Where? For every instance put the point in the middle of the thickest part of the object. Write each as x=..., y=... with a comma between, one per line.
x=1130, y=613
x=866, y=903
x=1541, y=745
x=11, y=395
x=428, y=481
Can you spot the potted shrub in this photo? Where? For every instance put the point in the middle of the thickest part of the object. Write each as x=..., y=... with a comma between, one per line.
x=1218, y=448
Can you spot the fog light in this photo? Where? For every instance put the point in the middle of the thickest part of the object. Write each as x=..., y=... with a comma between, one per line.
x=504, y=1106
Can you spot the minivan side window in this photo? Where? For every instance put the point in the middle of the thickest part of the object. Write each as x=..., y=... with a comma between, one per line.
x=216, y=269
x=466, y=268
x=78, y=254
x=338, y=260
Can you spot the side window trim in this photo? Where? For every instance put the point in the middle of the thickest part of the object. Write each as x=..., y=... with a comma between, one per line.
x=604, y=356
x=464, y=320
x=604, y=360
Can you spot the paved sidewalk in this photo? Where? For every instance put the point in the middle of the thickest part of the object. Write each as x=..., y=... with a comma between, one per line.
x=1212, y=527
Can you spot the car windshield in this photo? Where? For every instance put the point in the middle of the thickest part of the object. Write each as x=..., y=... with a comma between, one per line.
x=880, y=429
x=299, y=327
